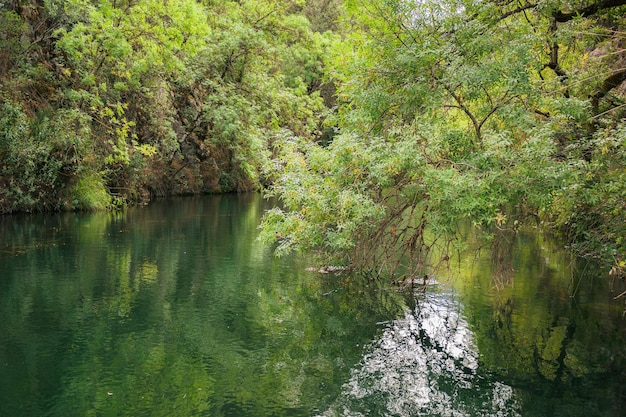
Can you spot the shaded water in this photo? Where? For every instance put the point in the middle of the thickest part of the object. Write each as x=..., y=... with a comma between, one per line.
x=177, y=310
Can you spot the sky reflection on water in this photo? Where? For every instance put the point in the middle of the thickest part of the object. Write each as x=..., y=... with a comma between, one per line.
x=425, y=363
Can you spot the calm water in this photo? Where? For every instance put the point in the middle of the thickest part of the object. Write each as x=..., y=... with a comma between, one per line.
x=177, y=310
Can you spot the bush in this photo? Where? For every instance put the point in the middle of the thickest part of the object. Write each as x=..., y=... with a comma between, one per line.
x=40, y=156
x=89, y=193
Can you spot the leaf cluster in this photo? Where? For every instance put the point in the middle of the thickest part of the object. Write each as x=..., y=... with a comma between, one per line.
x=179, y=97
x=450, y=112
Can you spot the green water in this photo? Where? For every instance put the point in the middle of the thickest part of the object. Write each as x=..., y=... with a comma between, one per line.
x=176, y=309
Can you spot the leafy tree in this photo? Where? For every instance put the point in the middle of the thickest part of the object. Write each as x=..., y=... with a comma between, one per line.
x=252, y=82
x=172, y=97
x=449, y=110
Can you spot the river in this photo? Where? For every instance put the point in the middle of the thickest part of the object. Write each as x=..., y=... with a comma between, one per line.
x=176, y=309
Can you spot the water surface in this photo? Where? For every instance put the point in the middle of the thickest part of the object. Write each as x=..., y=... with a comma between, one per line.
x=176, y=309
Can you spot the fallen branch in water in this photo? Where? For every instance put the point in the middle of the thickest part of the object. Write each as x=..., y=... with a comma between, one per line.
x=621, y=295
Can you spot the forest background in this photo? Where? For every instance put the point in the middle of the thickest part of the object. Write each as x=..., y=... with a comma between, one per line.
x=383, y=127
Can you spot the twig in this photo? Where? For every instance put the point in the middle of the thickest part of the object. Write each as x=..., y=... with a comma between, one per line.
x=621, y=295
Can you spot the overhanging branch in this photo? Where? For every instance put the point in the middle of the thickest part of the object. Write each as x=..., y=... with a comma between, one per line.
x=561, y=16
x=588, y=11
x=609, y=83
x=518, y=10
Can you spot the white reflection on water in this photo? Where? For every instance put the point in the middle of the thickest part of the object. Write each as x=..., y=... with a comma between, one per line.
x=424, y=364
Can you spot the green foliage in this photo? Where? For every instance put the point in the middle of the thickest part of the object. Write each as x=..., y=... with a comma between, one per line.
x=89, y=193
x=179, y=97
x=325, y=200
x=39, y=156
x=427, y=113
x=254, y=79
x=591, y=209
x=11, y=40
x=448, y=111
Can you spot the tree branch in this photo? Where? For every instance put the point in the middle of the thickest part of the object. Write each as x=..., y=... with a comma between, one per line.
x=468, y=113
x=518, y=10
x=562, y=17
x=609, y=83
x=588, y=11
x=554, y=59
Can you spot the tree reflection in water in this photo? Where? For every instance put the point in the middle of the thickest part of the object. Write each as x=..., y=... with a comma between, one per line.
x=424, y=364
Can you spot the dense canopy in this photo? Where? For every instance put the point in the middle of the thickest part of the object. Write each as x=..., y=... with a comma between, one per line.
x=383, y=126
